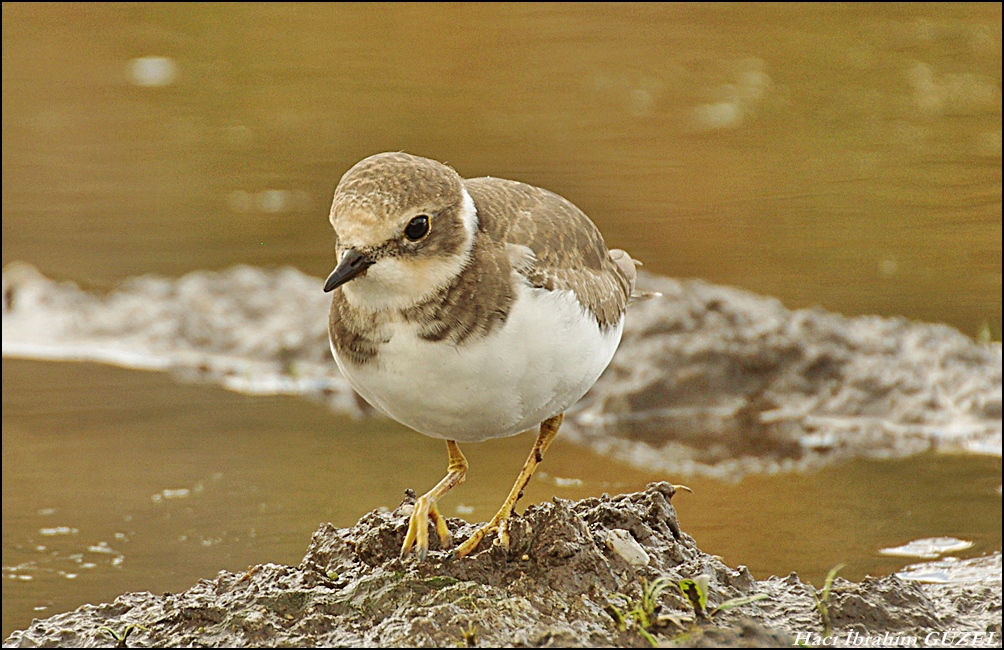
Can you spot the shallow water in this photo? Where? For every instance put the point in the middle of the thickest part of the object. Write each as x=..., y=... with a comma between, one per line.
x=123, y=480
x=841, y=155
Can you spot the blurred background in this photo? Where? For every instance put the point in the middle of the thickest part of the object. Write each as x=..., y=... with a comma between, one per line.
x=846, y=156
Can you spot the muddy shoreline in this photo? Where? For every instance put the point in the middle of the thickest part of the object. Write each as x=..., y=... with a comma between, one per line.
x=576, y=574
x=708, y=379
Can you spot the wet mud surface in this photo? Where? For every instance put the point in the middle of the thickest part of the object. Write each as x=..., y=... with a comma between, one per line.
x=708, y=379
x=576, y=574
x=724, y=382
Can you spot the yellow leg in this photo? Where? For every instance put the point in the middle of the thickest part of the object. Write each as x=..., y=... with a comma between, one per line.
x=500, y=522
x=425, y=507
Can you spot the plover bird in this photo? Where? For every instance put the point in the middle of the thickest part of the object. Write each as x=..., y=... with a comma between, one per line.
x=469, y=309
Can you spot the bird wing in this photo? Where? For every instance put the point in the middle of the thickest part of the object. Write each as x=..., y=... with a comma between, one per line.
x=554, y=245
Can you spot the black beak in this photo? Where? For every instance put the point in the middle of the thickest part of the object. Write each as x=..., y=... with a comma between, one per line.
x=352, y=264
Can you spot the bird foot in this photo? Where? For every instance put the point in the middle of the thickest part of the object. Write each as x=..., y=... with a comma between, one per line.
x=496, y=525
x=417, y=537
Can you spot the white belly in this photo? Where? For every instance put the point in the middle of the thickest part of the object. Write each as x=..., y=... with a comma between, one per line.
x=545, y=357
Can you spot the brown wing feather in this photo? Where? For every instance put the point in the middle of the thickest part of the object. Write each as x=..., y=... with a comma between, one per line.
x=569, y=250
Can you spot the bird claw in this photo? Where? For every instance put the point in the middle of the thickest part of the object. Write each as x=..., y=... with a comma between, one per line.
x=471, y=544
x=417, y=537
x=499, y=526
x=502, y=536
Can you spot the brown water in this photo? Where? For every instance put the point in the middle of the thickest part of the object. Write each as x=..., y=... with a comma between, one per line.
x=841, y=155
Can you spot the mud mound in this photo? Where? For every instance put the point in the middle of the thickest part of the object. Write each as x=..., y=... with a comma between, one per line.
x=723, y=382
x=597, y=572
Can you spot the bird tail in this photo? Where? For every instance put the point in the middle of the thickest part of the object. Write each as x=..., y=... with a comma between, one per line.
x=629, y=267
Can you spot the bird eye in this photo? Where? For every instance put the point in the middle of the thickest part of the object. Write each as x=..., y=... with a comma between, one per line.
x=417, y=228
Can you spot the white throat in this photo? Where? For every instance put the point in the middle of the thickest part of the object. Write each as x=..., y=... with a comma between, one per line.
x=395, y=283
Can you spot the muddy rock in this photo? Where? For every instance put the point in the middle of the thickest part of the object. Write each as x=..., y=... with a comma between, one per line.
x=559, y=584
x=708, y=379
